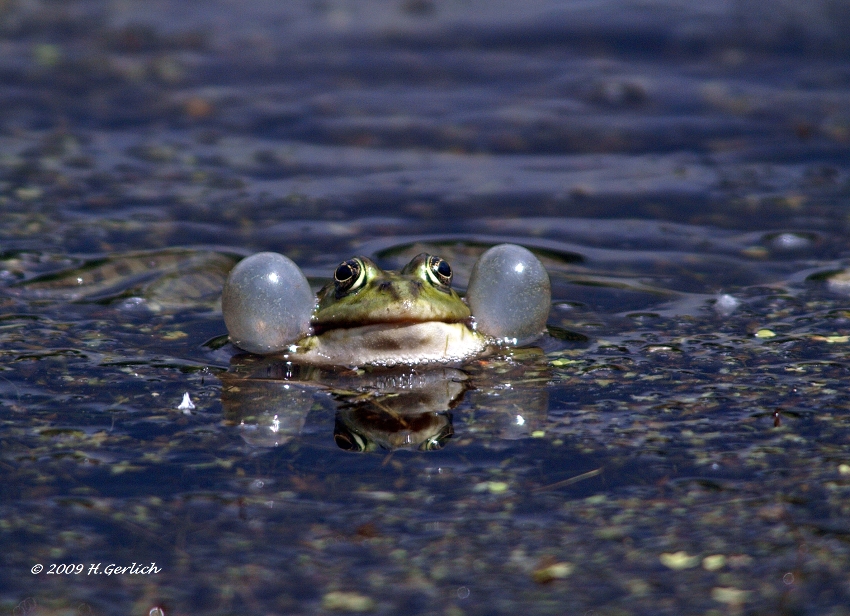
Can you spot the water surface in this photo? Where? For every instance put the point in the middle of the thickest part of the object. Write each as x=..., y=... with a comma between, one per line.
x=677, y=443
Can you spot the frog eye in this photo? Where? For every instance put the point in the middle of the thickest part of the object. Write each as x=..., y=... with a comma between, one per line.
x=349, y=441
x=439, y=271
x=349, y=276
x=438, y=441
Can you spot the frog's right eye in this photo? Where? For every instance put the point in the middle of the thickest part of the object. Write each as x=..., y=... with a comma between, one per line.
x=349, y=276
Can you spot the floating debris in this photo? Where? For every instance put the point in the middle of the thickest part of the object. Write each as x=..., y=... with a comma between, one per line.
x=550, y=572
x=493, y=487
x=571, y=480
x=831, y=339
x=714, y=562
x=679, y=560
x=347, y=602
x=730, y=596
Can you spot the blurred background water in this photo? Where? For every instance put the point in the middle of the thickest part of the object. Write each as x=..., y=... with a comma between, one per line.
x=679, y=441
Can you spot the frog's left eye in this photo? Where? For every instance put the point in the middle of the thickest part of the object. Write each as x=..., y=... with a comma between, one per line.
x=439, y=271
x=349, y=276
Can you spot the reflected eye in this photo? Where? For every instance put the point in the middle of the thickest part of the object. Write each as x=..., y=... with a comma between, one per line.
x=439, y=271
x=349, y=276
x=439, y=441
x=349, y=441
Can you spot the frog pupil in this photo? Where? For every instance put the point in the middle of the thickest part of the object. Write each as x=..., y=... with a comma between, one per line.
x=442, y=270
x=439, y=441
x=343, y=273
x=348, y=442
x=346, y=276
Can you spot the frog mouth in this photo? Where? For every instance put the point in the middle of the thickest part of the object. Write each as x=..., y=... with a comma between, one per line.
x=370, y=325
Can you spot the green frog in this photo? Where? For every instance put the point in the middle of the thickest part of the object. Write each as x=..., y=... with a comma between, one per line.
x=369, y=316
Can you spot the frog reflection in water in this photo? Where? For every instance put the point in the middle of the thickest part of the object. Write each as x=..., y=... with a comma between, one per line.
x=367, y=430
x=406, y=409
x=388, y=409
x=384, y=408
x=368, y=316
x=398, y=327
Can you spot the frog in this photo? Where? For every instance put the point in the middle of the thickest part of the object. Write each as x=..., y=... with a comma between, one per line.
x=368, y=316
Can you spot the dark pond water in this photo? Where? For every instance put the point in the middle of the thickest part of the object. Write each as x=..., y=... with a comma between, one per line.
x=678, y=443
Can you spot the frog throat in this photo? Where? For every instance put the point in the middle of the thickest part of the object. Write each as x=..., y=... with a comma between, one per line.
x=392, y=344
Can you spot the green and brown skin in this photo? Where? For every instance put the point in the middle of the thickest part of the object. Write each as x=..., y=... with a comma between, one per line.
x=368, y=315
x=364, y=294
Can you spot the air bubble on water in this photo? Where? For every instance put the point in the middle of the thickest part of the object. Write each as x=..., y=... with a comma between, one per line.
x=790, y=241
x=156, y=611
x=133, y=304
x=726, y=305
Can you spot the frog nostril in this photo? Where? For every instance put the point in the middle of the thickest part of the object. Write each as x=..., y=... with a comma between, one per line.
x=388, y=287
